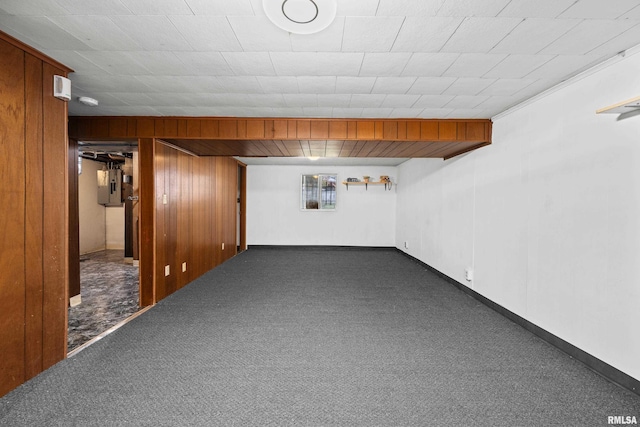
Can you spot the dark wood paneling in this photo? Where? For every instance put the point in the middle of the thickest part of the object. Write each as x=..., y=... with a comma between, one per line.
x=147, y=220
x=74, y=220
x=12, y=220
x=34, y=211
x=245, y=137
x=56, y=228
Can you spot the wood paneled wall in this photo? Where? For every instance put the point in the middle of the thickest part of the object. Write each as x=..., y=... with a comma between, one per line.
x=478, y=130
x=33, y=219
x=185, y=218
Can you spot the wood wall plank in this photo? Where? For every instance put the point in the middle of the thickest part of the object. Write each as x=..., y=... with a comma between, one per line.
x=147, y=222
x=12, y=221
x=56, y=227
x=34, y=211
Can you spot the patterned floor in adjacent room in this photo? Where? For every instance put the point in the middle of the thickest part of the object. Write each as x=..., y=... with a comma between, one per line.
x=109, y=289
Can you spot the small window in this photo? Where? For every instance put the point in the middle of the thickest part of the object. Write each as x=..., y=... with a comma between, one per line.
x=318, y=192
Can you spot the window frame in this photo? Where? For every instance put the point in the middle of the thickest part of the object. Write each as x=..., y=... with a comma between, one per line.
x=321, y=207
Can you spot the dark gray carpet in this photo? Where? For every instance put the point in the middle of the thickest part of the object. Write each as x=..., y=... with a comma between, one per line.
x=318, y=338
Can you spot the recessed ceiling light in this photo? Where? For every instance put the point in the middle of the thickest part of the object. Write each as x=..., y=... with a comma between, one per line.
x=301, y=16
x=88, y=101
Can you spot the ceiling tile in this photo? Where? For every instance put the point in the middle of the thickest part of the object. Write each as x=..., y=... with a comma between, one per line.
x=560, y=66
x=366, y=100
x=473, y=64
x=433, y=101
x=393, y=84
x=532, y=35
x=94, y=7
x=409, y=7
x=347, y=113
x=327, y=40
x=464, y=8
x=164, y=84
x=42, y=32
x=107, y=83
x=317, y=111
x=118, y=63
x=633, y=14
x=464, y=101
x=35, y=8
x=586, y=36
x=257, y=33
x=480, y=34
x=507, y=87
x=376, y=112
x=384, y=64
x=207, y=33
x=157, y=7
x=405, y=113
x=334, y=100
x=346, y=84
x=370, y=34
x=535, y=9
x=300, y=99
x=286, y=84
x=205, y=63
x=598, y=9
x=431, y=85
x=422, y=34
x=316, y=84
x=316, y=63
x=217, y=7
x=464, y=113
x=429, y=64
x=79, y=63
x=110, y=37
x=159, y=63
x=517, y=66
x=133, y=98
x=240, y=84
x=399, y=101
x=357, y=7
x=250, y=63
x=468, y=86
x=165, y=35
x=624, y=41
x=285, y=112
x=435, y=113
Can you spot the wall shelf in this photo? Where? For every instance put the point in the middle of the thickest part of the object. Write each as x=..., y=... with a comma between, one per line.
x=627, y=106
x=387, y=185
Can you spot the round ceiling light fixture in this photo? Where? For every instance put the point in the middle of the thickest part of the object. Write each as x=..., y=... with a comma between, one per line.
x=301, y=16
x=88, y=101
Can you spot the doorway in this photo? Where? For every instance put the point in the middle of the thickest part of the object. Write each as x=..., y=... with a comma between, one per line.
x=107, y=290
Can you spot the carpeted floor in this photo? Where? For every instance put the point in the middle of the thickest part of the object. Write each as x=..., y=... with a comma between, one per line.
x=318, y=338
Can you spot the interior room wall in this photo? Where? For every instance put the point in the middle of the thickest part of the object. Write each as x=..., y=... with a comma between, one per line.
x=92, y=215
x=114, y=227
x=362, y=217
x=547, y=216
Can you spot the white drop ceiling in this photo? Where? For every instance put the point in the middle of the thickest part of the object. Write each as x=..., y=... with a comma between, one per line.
x=379, y=58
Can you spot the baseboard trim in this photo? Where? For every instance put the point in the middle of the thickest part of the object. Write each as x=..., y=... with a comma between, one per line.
x=323, y=248
x=602, y=368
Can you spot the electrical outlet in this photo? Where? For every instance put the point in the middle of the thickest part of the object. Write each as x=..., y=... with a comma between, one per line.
x=167, y=270
x=468, y=274
x=406, y=245
x=164, y=199
x=184, y=267
x=223, y=246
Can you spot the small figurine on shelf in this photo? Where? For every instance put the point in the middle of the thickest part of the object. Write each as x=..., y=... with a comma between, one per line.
x=366, y=178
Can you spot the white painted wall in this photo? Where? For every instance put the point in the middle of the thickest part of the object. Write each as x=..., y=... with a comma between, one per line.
x=114, y=232
x=362, y=218
x=91, y=214
x=548, y=215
